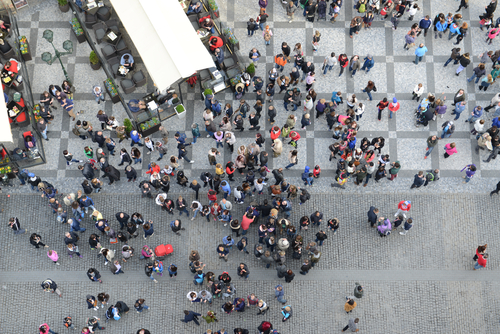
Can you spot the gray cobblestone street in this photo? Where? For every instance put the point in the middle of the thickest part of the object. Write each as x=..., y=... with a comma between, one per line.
x=422, y=282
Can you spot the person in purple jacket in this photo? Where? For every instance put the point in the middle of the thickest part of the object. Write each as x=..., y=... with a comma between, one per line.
x=470, y=170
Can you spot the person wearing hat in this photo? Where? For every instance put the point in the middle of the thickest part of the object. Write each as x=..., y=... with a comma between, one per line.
x=393, y=107
x=368, y=64
x=403, y=207
x=34, y=181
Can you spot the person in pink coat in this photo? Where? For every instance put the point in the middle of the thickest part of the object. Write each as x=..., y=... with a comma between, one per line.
x=493, y=33
x=44, y=329
x=450, y=150
x=52, y=254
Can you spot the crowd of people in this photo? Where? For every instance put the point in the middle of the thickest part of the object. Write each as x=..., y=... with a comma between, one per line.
x=279, y=238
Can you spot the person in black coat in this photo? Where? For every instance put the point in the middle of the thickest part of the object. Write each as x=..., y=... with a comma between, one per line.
x=372, y=216
x=122, y=307
x=130, y=173
x=36, y=241
x=143, y=331
x=207, y=178
x=122, y=218
x=289, y=276
x=99, y=138
x=87, y=188
x=112, y=173
x=278, y=175
x=418, y=181
x=94, y=275
x=70, y=238
x=496, y=190
x=87, y=171
x=196, y=187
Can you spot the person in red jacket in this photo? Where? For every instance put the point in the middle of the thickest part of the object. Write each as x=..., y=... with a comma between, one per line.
x=275, y=132
x=212, y=196
x=403, y=207
x=343, y=61
x=230, y=170
x=294, y=136
x=247, y=219
x=215, y=42
x=316, y=171
x=481, y=262
x=381, y=106
x=154, y=169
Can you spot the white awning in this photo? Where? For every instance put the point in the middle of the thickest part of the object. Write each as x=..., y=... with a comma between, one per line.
x=5, y=132
x=164, y=38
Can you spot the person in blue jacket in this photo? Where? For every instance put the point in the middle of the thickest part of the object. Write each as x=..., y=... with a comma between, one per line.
x=368, y=64
x=305, y=174
x=286, y=311
x=226, y=188
x=454, y=30
x=440, y=26
x=337, y=98
x=239, y=304
x=136, y=138
x=191, y=316
x=424, y=24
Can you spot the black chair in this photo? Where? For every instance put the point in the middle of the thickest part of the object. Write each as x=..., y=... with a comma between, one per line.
x=230, y=62
x=139, y=78
x=112, y=24
x=108, y=51
x=114, y=64
x=90, y=20
x=121, y=46
x=99, y=31
x=104, y=13
x=124, y=51
x=128, y=86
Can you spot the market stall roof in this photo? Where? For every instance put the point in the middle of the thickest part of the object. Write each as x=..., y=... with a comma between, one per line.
x=5, y=132
x=165, y=39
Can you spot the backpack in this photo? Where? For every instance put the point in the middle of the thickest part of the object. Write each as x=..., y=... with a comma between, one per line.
x=429, y=177
x=362, y=8
x=75, y=131
x=267, y=36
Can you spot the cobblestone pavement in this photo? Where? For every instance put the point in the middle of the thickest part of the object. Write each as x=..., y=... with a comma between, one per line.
x=419, y=282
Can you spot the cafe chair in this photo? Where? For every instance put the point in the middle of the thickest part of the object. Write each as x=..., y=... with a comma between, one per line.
x=104, y=13
x=121, y=46
x=128, y=86
x=108, y=51
x=9, y=54
x=229, y=63
x=139, y=78
x=114, y=64
x=112, y=24
x=124, y=51
x=90, y=20
x=99, y=31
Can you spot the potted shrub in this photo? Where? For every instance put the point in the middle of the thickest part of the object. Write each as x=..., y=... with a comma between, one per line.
x=128, y=126
x=251, y=70
x=207, y=91
x=180, y=111
x=94, y=61
x=63, y=5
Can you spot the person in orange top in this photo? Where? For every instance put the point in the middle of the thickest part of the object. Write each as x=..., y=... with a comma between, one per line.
x=275, y=132
x=280, y=61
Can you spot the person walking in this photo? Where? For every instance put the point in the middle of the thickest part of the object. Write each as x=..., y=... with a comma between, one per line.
x=459, y=107
x=352, y=325
x=448, y=129
x=419, y=53
x=349, y=305
x=191, y=316
x=279, y=294
x=464, y=62
x=455, y=57
x=368, y=63
x=450, y=149
x=403, y=208
x=431, y=143
x=369, y=88
x=418, y=180
x=481, y=262
x=470, y=170
x=49, y=285
x=16, y=226
x=497, y=189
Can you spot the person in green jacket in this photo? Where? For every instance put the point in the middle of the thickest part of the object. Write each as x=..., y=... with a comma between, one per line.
x=358, y=291
x=395, y=167
x=210, y=317
x=195, y=130
x=431, y=142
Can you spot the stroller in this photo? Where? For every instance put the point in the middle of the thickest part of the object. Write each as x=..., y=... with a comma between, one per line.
x=422, y=116
x=162, y=251
x=30, y=144
x=322, y=10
